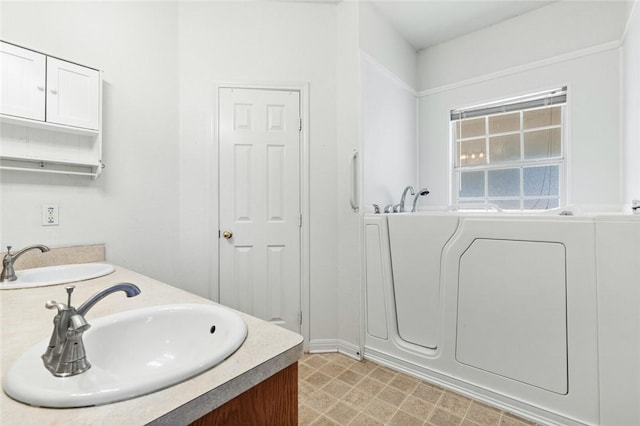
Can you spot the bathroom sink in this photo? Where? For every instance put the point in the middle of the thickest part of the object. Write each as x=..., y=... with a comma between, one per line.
x=132, y=353
x=51, y=275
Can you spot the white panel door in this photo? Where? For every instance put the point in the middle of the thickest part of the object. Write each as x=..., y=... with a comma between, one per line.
x=22, y=79
x=259, y=202
x=73, y=94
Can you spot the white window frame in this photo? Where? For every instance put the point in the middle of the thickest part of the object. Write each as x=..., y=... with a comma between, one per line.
x=486, y=200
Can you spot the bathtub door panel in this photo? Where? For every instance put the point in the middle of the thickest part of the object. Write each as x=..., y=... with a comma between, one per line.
x=416, y=246
x=512, y=311
x=377, y=270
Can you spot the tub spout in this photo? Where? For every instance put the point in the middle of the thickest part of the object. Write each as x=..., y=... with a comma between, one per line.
x=404, y=195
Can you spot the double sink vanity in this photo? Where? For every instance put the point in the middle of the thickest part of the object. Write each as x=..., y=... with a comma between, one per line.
x=160, y=356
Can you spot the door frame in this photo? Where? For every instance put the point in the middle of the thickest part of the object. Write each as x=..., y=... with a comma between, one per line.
x=303, y=89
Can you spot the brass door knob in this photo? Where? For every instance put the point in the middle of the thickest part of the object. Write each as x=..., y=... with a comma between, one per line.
x=227, y=234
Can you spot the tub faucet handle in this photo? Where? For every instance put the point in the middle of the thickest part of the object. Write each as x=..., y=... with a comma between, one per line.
x=376, y=209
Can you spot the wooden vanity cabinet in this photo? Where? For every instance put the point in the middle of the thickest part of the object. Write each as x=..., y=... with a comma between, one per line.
x=272, y=402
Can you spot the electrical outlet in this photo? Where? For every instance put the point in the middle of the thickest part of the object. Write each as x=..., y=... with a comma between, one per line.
x=50, y=215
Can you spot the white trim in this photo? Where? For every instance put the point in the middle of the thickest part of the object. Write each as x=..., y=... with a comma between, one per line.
x=305, y=204
x=621, y=124
x=397, y=80
x=351, y=350
x=522, y=68
x=634, y=9
x=500, y=401
x=320, y=346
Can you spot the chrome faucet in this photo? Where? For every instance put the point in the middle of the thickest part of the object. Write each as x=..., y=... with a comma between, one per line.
x=404, y=195
x=8, y=273
x=422, y=192
x=65, y=355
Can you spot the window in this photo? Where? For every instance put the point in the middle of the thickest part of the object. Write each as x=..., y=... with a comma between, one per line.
x=511, y=153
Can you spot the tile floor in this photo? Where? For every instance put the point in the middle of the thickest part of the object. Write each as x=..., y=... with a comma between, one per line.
x=337, y=390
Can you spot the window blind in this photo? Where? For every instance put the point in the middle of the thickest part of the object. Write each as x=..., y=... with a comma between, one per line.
x=536, y=100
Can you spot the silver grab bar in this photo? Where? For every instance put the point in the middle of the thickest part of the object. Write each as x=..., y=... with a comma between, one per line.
x=354, y=182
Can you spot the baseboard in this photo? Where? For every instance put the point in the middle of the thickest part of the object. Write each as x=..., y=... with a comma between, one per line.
x=541, y=417
x=319, y=346
x=350, y=350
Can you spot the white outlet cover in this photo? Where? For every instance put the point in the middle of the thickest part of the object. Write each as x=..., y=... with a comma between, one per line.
x=50, y=215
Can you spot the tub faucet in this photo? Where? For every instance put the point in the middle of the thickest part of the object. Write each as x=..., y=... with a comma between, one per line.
x=8, y=273
x=422, y=192
x=65, y=355
x=404, y=195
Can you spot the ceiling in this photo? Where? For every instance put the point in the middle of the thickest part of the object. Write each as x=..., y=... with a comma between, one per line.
x=425, y=23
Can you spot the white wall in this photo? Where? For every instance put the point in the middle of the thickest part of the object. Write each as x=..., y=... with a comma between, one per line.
x=631, y=107
x=156, y=204
x=389, y=109
x=389, y=136
x=257, y=42
x=348, y=137
x=592, y=77
x=553, y=30
x=132, y=207
x=380, y=99
x=382, y=42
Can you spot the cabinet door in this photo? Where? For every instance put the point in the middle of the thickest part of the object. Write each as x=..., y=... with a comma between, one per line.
x=73, y=94
x=22, y=79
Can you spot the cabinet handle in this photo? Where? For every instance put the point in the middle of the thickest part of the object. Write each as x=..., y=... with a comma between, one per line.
x=53, y=91
x=40, y=88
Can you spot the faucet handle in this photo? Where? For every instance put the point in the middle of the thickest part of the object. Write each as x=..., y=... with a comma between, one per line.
x=78, y=323
x=9, y=249
x=53, y=304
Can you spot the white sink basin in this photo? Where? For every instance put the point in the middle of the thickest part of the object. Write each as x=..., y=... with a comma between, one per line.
x=132, y=353
x=51, y=275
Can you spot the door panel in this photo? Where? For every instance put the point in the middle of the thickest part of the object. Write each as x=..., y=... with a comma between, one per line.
x=22, y=79
x=259, y=199
x=73, y=94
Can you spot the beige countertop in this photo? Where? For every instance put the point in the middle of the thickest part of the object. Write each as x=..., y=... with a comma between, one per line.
x=24, y=321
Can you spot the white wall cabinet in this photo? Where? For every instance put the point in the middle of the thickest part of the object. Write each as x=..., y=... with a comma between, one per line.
x=73, y=94
x=50, y=113
x=23, y=82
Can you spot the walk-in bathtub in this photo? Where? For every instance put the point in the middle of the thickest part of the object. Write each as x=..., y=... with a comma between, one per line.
x=521, y=311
